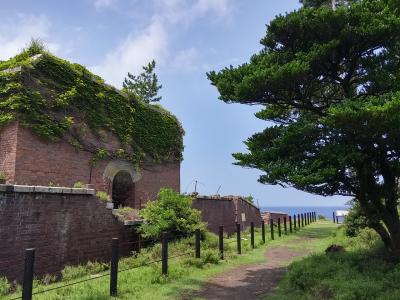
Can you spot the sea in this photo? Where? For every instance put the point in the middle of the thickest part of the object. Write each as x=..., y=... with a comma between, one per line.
x=325, y=211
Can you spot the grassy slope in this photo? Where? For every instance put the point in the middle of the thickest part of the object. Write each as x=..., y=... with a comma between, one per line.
x=360, y=273
x=184, y=276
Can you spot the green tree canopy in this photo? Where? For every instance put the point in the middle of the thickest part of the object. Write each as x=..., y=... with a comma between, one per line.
x=329, y=80
x=327, y=3
x=144, y=86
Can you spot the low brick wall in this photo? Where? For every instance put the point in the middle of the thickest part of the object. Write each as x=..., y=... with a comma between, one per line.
x=268, y=215
x=65, y=226
x=226, y=211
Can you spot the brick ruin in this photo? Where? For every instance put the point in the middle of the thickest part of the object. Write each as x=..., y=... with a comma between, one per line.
x=28, y=160
x=227, y=211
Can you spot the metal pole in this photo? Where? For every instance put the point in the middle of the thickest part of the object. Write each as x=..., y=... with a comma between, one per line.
x=28, y=274
x=164, y=253
x=114, y=267
x=238, y=239
x=221, y=242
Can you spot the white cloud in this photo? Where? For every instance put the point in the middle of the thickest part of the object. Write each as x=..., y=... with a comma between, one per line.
x=186, y=60
x=187, y=11
x=137, y=49
x=99, y=4
x=134, y=52
x=16, y=34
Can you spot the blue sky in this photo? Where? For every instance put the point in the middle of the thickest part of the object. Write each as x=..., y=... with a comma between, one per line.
x=187, y=38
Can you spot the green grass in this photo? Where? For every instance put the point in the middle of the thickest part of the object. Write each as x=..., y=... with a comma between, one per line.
x=186, y=274
x=361, y=272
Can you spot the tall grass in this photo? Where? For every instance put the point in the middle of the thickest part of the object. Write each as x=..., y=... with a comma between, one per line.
x=361, y=272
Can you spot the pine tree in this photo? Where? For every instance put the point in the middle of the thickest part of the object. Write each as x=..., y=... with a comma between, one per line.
x=144, y=86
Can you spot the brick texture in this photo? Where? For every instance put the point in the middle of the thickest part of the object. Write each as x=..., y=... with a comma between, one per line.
x=227, y=211
x=64, y=230
x=29, y=160
x=8, y=150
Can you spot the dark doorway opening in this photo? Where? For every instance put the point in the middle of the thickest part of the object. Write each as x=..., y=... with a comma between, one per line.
x=122, y=189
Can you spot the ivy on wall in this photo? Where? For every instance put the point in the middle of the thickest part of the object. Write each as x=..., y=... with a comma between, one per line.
x=48, y=94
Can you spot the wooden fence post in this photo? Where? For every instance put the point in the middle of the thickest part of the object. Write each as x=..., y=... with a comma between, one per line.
x=197, y=236
x=221, y=242
x=294, y=222
x=284, y=225
x=252, y=234
x=290, y=224
x=28, y=274
x=164, y=253
x=333, y=217
x=298, y=221
x=238, y=239
x=114, y=267
x=279, y=227
x=263, y=231
x=271, y=222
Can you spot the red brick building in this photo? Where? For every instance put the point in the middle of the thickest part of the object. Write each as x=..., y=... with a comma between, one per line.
x=26, y=159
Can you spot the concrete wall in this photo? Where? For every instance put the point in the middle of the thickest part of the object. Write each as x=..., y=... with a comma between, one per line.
x=65, y=229
x=29, y=160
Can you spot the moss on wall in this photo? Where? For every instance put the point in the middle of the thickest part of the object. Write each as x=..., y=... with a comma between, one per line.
x=48, y=95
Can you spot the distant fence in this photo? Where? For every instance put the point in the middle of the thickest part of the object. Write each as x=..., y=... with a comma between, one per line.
x=290, y=225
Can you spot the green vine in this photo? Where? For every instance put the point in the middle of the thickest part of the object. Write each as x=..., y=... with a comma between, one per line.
x=47, y=94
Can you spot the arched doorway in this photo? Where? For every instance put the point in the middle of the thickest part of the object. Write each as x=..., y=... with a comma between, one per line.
x=123, y=189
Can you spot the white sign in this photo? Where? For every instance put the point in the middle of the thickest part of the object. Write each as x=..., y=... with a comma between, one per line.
x=243, y=217
x=342, y=213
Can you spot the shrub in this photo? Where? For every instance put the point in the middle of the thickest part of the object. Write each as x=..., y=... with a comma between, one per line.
x=4, y=286
x=78, y=185
x=103, y=196
x=170, y=212
x=127, y=213
x=321, y=217
x=355, y=220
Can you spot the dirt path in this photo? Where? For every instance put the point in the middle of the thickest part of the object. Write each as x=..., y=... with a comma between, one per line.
x=253, y=281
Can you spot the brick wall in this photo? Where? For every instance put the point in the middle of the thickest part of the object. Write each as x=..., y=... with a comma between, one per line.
x=153, y=178
x=251, y=213
x=8, y=149
x=217, y=212
x=267, y=216
x=227, y=211
x=64, y=229
x=27, y=159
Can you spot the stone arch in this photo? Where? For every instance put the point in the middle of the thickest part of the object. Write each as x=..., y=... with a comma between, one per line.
x=122, y=176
